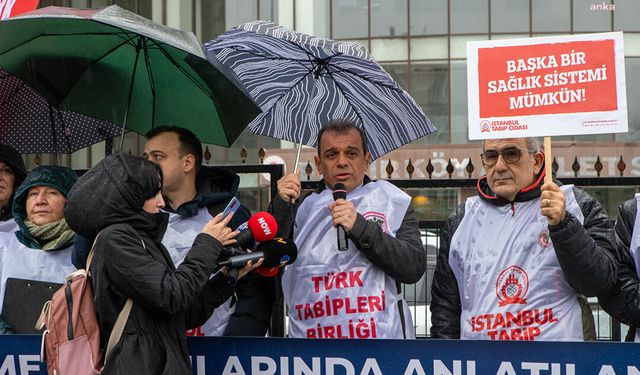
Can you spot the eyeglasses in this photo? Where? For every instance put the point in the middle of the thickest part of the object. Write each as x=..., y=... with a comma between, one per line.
x=509, y=155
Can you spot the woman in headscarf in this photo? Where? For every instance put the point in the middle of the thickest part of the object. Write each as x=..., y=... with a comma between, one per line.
x=118, y=202
x=39, y=251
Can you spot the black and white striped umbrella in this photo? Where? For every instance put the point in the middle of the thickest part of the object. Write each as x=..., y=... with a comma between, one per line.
x=302, y=81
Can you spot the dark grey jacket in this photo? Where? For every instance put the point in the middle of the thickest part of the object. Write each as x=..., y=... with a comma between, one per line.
x=166, y=301
x=622, y=301
x=586, y=255
x=402, y=257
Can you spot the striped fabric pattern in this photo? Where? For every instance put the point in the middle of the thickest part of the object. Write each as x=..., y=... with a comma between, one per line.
x=302, y=81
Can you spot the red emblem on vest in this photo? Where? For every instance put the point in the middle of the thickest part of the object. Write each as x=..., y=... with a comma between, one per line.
x=512, y=286
x=543, y=238
x=378, y=218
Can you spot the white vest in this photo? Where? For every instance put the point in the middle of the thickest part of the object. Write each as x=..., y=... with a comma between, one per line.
x=510, y=282
x=634, y=246
x=178, y=239
x=341, y=294
x=21, y=262
x=9, y=226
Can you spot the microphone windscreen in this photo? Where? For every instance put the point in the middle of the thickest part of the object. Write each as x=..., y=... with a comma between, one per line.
x=267, y=272
x=339, y=191
x=278, y=252
x=263, y=226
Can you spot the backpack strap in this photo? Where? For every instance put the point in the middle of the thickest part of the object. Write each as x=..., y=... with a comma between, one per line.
x=118, y=328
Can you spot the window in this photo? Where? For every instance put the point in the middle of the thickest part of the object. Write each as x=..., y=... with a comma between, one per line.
x=469, y=16
x=459, y=115
x=590, y=16
x=238, y=12
x=430, y=90
x=509, y=16
x=632, y=71
x=551, y=16
x=350, y=19
x=428, y=17
x=388, y=18
x=625, y=16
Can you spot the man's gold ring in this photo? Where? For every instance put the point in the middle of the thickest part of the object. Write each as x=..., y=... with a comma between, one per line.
x=547, y=203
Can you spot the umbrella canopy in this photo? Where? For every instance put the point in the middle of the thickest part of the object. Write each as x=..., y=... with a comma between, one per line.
x=116, y=66
x=31, y=125
x=302, y=81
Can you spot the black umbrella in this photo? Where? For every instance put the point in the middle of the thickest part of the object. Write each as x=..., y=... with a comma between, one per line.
x=31, y=125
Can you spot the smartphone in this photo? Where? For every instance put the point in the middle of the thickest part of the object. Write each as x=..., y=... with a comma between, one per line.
x=232, y=207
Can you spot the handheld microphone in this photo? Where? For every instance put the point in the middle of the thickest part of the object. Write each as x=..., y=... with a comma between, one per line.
x=261, y=227
x=277, y=252
x=340, y=192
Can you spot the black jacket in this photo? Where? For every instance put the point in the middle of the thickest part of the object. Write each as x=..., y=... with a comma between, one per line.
x=402, y=257
x=166, y=301
x=622, y=301
x=586, y=255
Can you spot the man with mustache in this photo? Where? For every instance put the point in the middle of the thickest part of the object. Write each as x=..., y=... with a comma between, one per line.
x=517, y=260
x=333, y=292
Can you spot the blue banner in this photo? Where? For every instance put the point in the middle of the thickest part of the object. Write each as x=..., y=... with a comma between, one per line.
x=20, y=355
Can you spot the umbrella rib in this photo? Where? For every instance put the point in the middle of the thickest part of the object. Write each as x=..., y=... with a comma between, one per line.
x=53, y=128
x=151, y=84
x=64, y=130
x=140, y=39
x=181, y=69
x=272, y=57
x=346, y=98
x=94, y=62
x=394, y=88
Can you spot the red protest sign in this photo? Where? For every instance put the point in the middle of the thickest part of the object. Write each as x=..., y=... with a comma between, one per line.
x=547, y=79
x=12, y=8
x=557, y=85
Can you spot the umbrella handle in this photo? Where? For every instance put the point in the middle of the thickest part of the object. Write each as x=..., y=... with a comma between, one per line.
x=295, y=166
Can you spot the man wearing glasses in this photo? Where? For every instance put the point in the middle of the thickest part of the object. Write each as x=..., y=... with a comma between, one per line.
x=517, y=259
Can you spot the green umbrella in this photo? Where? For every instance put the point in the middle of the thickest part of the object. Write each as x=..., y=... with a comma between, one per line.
x=116, y=66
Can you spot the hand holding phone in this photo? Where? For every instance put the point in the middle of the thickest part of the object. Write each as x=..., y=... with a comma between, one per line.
x=232, y=207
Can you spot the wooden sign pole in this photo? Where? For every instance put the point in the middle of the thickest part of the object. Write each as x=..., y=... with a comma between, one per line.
x=548, y=160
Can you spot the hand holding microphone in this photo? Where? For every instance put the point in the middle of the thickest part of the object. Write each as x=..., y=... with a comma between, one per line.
x=261, y=227
x=344, y=215
x=270, y=257
x=276, y=253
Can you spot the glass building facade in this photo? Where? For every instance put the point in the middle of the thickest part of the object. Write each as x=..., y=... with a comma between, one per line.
x=422, y=45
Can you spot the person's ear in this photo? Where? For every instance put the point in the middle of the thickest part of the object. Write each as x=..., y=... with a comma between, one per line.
x=189, y=163
x=367, y=160
x=316, y=158
x=538, y=162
